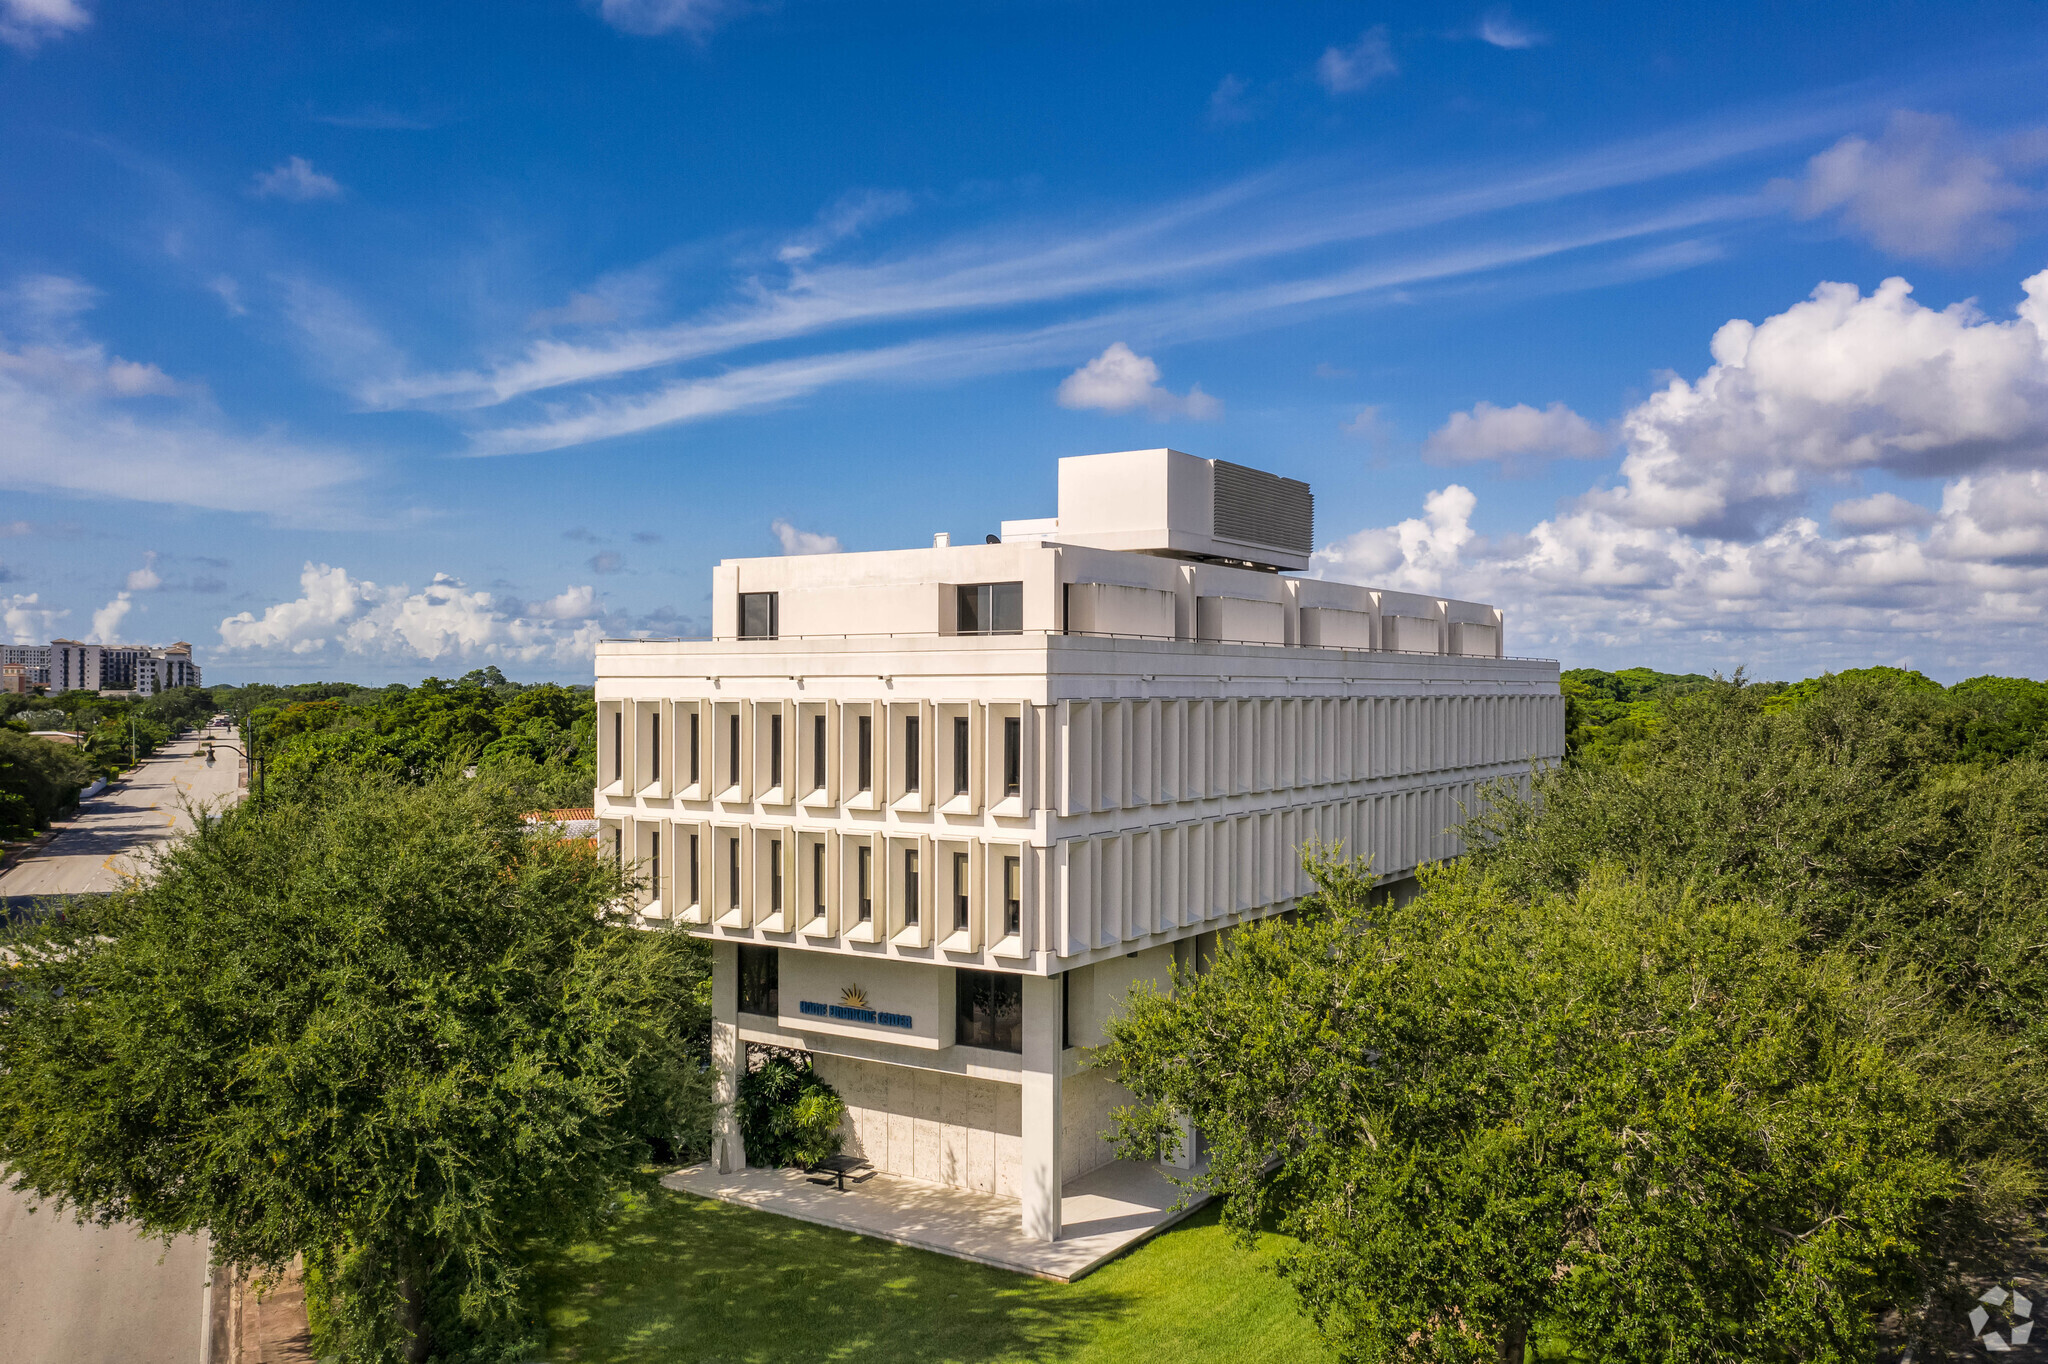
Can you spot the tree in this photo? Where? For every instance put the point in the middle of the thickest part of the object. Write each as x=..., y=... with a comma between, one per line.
x=383, y=1026
x=1649, y=1122
x=38, y=780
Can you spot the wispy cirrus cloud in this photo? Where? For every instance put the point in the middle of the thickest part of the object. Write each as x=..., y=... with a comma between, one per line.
x=1247, y=254
x=75, y=418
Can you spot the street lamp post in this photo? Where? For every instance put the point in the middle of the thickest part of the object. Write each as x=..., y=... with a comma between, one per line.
x=255, y=762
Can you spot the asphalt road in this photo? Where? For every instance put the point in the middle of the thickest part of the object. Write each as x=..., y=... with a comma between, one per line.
x=113, y=834
x=72, y=1294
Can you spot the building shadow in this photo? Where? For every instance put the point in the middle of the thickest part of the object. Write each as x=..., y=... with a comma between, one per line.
x=678, y=1278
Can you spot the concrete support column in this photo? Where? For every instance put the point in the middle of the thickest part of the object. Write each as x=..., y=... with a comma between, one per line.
x=1040, y=1184
x=728, y=1054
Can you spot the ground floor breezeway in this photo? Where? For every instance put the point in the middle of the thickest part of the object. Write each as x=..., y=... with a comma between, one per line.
x=1102, y=1213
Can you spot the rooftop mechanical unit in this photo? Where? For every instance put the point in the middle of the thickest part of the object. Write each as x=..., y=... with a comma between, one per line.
x=1181, y=506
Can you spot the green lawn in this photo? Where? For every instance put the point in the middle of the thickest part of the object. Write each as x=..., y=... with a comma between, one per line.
x=685, y=1279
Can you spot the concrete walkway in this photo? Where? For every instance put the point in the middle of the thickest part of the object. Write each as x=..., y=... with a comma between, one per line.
x=1104, y=1213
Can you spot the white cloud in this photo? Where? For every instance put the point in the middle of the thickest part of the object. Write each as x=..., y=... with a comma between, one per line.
x=443, y=620
x=1837, y=384
x=1879, y=511
x=106, y=622
x=796, y=541
x=696, y=18
x=145, y=579
x=1347, y=70
x=1371, y=426
x=1227, y=102
x=1705, y=556
x=1120, y=380
x=27, y=620
x=16, y=528
x=295, y=179
x=1515, y=437
x=24, y=24
x=1503, y=30
x=75, y=419
x=1969, y=595
x=847, y=216
x=1920, y=190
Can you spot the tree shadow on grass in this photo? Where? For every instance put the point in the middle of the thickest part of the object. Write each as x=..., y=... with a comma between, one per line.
x=681, y=1279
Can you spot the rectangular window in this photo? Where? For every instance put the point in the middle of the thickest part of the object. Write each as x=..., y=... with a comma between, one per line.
x=757, y=615
x=732, y=757
x=694, y=718
x=654, y=746
x=760, y=986
x=732, y=872
x=989, y=1010
x=959, y=892
x=867, y=753
x=1066, y=1010
x=817, y=752
x=1013, y=755
x=775, y=750
x=960, y=755
x=910, y=887
x=911, y=765
x=775, y=876
x=695, y=896
x=654, y=864
x=618, y=745
x=619, y=846
x=989, y=608
x=1013, y=896
x=864, y=868
x=818, y=879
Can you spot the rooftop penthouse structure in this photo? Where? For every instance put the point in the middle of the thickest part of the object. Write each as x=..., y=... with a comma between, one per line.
x=937, y=809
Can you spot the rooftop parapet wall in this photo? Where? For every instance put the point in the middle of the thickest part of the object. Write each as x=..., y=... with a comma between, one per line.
x=1086, y=590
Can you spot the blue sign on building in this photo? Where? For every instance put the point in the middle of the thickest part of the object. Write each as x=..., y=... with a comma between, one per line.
x=848, y=1014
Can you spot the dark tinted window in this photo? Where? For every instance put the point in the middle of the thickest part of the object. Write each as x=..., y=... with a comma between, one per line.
x=990, y=1010
x=913, y=762
x=960, y=755
x=1013, y=755
x=757, y=615
x=990, y=608
x=867, y=753
x=759, y=989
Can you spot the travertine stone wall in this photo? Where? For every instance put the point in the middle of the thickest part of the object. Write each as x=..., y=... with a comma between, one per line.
x=1085, y=1103
x=944, y=1129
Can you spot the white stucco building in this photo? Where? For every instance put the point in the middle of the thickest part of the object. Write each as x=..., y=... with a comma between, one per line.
x=144, y=669
x=937, y=809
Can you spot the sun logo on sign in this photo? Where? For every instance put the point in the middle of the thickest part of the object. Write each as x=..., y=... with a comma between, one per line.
x=2013, y=1305
x=853, y=997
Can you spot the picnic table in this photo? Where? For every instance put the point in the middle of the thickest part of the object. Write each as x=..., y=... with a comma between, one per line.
x=839, y=1167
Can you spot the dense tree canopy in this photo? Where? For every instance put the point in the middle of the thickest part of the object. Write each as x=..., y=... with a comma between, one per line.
x=538, y=738
x=379, y=1024
x=1725, y=1043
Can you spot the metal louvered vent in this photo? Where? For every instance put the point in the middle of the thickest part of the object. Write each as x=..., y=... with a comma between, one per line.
x=1257, y=508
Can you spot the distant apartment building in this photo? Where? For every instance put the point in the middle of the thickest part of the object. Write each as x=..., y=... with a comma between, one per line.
x=32, y=659
x=143, y=669
x=13, y=680
x=937, y=810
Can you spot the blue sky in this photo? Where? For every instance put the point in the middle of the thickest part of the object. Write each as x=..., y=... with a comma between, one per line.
x=373, y=341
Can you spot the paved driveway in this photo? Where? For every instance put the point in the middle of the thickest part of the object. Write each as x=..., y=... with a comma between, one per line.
x=113, y=834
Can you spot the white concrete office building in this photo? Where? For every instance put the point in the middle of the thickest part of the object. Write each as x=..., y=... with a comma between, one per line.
x=937, y=809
